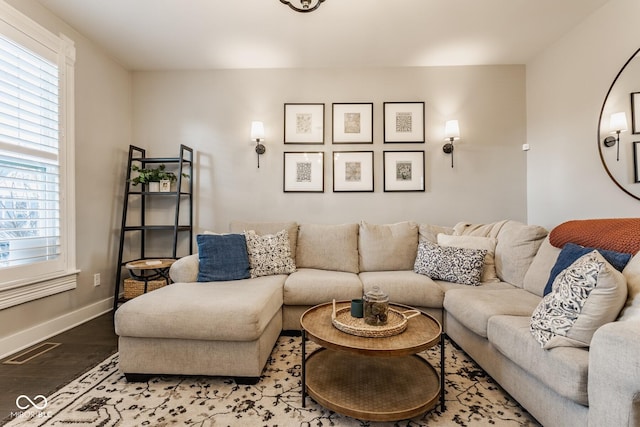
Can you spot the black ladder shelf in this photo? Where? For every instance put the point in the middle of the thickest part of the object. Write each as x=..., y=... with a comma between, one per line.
x=179, y=228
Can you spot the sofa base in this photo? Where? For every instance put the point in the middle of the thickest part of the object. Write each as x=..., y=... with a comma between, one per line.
x=548, y=407
x=170, y=356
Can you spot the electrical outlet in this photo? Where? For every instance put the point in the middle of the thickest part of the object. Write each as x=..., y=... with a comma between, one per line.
x=96, y=279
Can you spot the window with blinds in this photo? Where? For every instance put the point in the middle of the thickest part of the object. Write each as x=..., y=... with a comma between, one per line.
x=29, y=157
x=37, y=158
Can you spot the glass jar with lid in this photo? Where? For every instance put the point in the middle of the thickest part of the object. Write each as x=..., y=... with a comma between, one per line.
x=376, y=307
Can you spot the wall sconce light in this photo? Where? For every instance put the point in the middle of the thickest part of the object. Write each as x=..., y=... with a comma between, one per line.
x=451, y=133
x=617, y=124
x=257, y=135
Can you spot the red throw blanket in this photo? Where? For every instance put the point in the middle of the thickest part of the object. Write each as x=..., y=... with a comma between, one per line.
x=615, y=234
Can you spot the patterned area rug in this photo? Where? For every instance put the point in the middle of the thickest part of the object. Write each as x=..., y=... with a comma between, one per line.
x=102, y=397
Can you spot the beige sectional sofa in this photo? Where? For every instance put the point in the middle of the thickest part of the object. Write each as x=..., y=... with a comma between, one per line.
x=229, y=328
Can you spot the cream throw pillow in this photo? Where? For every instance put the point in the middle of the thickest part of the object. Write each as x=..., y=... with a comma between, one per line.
x=586, y=295
x=475, y=242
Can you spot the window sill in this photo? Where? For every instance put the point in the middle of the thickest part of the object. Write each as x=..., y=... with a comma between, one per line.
x=33, y=291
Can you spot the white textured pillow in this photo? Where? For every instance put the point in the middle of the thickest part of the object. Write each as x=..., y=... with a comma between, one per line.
x=269, y=254
x=475, y=242
x=585, y=296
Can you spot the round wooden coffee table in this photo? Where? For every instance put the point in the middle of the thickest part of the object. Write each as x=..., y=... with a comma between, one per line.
x=373, y=379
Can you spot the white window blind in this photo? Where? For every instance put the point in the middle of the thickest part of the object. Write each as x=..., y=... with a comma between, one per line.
x=29, y=159
x=37, y=191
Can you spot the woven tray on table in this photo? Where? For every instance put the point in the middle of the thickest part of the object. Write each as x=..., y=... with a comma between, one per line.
x=396, y=323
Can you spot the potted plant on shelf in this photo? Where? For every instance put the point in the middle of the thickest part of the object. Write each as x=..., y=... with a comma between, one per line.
x=158, y=179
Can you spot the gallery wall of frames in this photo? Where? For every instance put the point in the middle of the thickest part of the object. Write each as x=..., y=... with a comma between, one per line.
x=353, y=170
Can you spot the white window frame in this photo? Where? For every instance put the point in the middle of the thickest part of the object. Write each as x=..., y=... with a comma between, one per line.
x=34, y=283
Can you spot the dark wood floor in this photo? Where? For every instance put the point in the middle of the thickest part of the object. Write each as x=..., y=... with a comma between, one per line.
x=81, y=348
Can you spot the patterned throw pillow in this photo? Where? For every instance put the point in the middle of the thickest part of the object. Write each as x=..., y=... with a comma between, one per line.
x=585, y=296
x=458, y=265
x=269, y=254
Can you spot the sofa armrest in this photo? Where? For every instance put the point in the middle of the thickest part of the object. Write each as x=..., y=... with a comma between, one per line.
x=614, y=375
x=185, y=269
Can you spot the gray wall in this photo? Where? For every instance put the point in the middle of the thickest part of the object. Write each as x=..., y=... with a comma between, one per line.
x=566, y=86
x=212, y=111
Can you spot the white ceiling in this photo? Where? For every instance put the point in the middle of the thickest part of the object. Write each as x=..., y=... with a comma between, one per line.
x=206, y=34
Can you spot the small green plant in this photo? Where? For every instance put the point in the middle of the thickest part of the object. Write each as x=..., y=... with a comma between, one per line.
x=158, y=174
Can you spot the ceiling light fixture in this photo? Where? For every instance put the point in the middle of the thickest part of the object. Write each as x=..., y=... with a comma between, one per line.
x=305, y=5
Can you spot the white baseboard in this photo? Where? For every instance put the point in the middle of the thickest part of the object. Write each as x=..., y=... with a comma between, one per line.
x=28, y=337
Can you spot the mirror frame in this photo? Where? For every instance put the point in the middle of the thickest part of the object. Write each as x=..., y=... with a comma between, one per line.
x=637, y=197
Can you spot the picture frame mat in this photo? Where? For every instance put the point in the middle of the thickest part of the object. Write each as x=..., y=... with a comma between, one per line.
x=303, y=172
x=360, y=131
x=353, y=171
x=404, y=122
x=303, y=123
x=404, y=170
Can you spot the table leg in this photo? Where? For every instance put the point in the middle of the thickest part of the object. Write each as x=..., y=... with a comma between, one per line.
x=304, y=362
x=442, y=373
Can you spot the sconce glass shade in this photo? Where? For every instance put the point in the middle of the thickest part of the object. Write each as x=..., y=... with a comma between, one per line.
x=618, y=122
x=451, y=130
x=257, y=131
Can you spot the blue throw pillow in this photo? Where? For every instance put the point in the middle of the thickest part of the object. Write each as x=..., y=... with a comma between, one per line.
x=571, y=252
x=222, y=257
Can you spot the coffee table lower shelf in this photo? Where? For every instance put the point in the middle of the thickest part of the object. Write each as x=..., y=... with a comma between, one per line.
x=372, y=388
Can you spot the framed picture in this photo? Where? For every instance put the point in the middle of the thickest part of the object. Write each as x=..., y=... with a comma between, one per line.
x=352, y=171
x=403, y=122
x=403, y=170
x=636, y=161
x=353, y=123
x=304, y=172
x=304, y=123
x=635, y=112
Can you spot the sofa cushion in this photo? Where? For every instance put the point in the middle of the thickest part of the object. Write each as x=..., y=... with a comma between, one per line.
x=308, y=286
x=458, y=265
x=632, y=273
x=223, y=311
x=484, y=230
x=516, y=248
x=447, y=286
x=185, y=269
x=328, y=247
x=562, y=369
x=571, y=252
x=388, y=247
x=475, y=242
x=269, y=254
x=473, y=307
x=538, y=272
x=405, y=287
x=585, y=296
x=269, y=228
x=222, y=257
x=430, y=232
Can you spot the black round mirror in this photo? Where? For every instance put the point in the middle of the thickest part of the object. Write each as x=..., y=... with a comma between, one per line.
x=619, y=128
